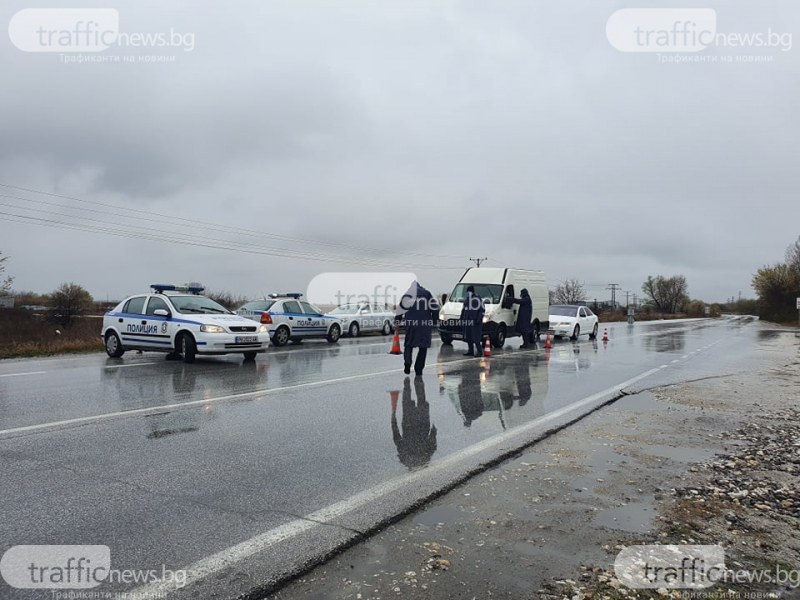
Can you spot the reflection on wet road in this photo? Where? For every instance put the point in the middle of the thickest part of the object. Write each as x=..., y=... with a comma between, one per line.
x=175, y=462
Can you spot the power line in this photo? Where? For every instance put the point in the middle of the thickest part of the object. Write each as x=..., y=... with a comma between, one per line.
x=17, y=218
x=160, y=217
x=133, y=230
x=613, y=287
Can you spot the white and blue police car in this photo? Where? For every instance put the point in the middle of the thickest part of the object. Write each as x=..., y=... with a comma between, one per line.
x=180, y=321
x=288, y=317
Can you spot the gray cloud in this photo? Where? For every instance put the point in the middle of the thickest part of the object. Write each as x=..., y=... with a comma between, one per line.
x=462, y=128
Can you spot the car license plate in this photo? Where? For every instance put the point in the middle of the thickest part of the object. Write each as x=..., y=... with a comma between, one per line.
x=246, y=339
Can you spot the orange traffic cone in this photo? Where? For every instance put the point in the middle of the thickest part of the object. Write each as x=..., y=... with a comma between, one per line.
x=396, y=342
x=548, y=341
x=487, y=347
x=605, y=334
x=394, y=395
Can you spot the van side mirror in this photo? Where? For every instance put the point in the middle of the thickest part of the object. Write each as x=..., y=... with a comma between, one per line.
x=444, y=299
x=161, y=312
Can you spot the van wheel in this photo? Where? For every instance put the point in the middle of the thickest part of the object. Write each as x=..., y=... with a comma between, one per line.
x=499, y=337
x=353, y=330
x=535, y=332
x=113, y=345
x=250, y=356
x=188, y=348
x=447, y=339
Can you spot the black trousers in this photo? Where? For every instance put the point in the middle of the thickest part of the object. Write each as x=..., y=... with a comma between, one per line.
x=419, y=364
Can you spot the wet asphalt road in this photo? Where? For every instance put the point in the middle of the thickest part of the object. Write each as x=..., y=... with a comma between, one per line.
x=245, y=472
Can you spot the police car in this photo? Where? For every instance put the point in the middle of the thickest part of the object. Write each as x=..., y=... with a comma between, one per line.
x=180, y=321
x=287, y=317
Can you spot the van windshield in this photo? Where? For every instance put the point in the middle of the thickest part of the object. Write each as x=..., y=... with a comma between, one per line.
x=488, y=292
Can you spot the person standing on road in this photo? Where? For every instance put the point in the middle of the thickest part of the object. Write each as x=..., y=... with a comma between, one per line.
x=472, y=321
x=524, y=326
x=421, y=313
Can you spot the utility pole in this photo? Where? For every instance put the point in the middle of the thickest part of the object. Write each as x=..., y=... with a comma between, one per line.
x=478, y=261
x=627, y=296
x=613, y=287
x=635, y=302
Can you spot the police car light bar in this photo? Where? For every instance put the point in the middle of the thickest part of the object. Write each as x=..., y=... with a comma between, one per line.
x=160, y=288
x=289, y=295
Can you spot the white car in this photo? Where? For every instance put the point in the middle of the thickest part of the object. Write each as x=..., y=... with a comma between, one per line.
x=287, y=317
x=364, y=317
x=181, y=322
x=572, y=320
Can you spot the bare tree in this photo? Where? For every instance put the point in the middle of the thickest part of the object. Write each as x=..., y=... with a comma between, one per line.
x=667, y=294
x=5, y=284
x=70, y=300
x=569, y=291
x=793, y=256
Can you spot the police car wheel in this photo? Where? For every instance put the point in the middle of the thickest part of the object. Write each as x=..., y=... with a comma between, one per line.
x=575, y=332
x=188, y=348
x=113, y=345
x=334, y=333
x=281, y=337
x=250, y=356
x=387, y=328
x=446, y=338
x=593, y=335
x=353, y=330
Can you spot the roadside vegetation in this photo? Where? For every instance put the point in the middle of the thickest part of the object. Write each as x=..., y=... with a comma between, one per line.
x=778, y=287
x=24, y=333
x=64, y=321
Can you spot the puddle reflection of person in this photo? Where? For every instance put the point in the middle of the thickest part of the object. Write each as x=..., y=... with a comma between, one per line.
x=523, y=377
x=469, y=396
x=417, y=442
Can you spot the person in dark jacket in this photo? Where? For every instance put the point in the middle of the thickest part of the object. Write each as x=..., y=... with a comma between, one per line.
x=524, y=326
x=421, y=313
x=417, y=441
x=472, y=321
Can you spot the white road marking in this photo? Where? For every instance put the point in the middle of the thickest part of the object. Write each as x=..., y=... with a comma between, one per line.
x=220, y=561
x=177, y=405
x=23, y=374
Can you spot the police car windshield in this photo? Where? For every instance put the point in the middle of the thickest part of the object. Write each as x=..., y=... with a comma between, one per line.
x=258, y=305
x=197, y=304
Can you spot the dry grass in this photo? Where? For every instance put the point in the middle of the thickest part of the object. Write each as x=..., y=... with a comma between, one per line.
x=26, y=334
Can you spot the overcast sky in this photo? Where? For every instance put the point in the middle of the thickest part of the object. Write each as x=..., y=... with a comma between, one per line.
x=452, y=129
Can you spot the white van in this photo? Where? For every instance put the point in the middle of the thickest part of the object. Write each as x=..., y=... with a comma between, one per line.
x=497, y=287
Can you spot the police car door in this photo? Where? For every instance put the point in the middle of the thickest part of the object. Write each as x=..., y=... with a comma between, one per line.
x=294, y=318
x=313, y=320
x=134, y=327
x=161, y=326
